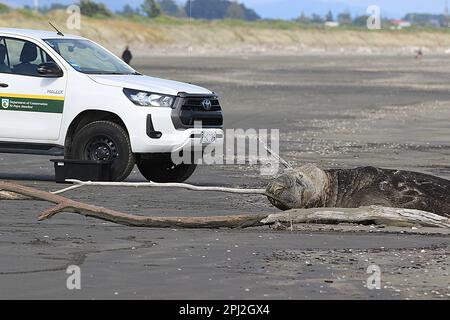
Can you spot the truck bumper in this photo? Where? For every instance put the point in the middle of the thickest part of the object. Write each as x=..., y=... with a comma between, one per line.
x=167, y=130
x=177, y=141
x=155, y=133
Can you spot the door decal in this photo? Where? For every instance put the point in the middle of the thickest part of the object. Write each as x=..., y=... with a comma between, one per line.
x=31, y=103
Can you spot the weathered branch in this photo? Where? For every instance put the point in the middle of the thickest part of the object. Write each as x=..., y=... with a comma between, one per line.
x=79, y=184
x=364, y=215
x=66, y=205
x=5, y=195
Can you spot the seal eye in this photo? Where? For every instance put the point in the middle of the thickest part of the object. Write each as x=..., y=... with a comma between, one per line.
x=300, y=182
x=276, y=188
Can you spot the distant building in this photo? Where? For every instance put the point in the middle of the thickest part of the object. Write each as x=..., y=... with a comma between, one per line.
x=400, y=24
x=331, y=24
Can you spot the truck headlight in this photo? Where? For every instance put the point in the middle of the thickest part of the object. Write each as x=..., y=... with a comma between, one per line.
x=146, y=99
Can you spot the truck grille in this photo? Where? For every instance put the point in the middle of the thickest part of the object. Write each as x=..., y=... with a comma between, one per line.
x=195, y=104
x=189, y=110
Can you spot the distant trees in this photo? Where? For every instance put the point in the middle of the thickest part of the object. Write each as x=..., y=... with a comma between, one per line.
x=361, y=21
x=235, y=11
x=198, y=9
x=151, y=8
x=4, y=8
x=90, y=8
x=206, y=9
x=225, y=9
x=329, y=17
x=169, y=7
x=128, y=11
x=303, y=18
x=53, y=7
x=219, y=9
x=345, y=18
x=315, y=18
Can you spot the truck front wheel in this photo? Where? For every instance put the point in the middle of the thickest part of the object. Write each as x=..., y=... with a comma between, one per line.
x=166, y=171
x=105, y=141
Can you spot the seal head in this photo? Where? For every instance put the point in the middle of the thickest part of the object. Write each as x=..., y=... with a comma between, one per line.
x=300, y=188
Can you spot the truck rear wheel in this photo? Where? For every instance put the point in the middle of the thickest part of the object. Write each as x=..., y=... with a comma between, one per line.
x=105, y=141
x=157, y=171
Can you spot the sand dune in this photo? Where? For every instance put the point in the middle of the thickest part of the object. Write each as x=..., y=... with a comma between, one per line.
x=181, y=36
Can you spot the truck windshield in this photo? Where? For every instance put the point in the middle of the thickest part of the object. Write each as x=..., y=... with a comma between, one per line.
x=87, y=57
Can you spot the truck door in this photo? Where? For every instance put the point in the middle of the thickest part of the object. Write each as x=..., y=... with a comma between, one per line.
x=31, y=105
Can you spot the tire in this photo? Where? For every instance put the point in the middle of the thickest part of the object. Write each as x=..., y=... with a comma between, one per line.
x=105, y=140
x=165, y=171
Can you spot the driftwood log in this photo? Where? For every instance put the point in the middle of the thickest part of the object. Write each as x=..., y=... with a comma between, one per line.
x=12, y=191
x=373, y=215
x=363, y=215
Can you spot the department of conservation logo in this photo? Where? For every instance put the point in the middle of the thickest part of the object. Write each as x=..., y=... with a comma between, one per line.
x=5, y=103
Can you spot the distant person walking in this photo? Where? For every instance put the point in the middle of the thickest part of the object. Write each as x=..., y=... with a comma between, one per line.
x=419, y=54
x=127, y=56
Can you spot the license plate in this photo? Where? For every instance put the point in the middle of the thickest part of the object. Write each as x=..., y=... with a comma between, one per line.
x=209, y=137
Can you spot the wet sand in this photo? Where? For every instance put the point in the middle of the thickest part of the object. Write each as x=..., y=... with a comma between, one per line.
x=385, y=111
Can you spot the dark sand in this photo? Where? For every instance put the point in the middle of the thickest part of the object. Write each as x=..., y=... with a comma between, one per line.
x=335, y=111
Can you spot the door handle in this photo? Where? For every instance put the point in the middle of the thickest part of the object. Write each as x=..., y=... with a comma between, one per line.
x=4, y=85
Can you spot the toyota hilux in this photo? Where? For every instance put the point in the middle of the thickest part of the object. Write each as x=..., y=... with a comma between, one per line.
x=65, y=95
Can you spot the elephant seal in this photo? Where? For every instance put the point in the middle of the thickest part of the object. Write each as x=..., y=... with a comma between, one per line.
x=311, y=187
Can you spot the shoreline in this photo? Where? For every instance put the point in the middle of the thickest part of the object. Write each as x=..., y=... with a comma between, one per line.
x=204, y=52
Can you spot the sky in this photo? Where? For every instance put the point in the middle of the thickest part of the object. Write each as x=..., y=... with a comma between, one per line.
x=289, y=9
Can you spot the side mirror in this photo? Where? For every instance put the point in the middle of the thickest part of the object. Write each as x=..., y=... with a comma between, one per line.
x=49, y=69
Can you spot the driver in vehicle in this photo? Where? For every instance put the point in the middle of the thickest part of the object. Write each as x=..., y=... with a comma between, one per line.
x=3, y=66
x=28, y=55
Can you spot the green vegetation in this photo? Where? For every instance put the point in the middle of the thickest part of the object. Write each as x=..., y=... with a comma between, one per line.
x=4, y=8
x=234, y=18
x=219, y=9
x=53, y=7
x=128, y=11
x=151, y=8
x=93, y=9
x=234, y=11
x=171, y=8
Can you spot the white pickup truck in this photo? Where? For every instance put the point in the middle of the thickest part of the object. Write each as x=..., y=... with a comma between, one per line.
x=66, y=95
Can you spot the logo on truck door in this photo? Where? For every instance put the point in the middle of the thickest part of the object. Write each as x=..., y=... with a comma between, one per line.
x=32, y=103
x=5, y=103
